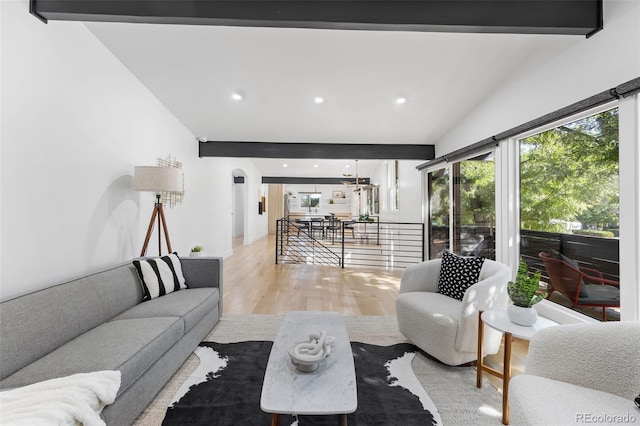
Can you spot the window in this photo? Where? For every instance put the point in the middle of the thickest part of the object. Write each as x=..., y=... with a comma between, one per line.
x=474, y=207
x=438, y=187
x=310, y=200
x=392, y=185
x=569, y=206
x=468, y=204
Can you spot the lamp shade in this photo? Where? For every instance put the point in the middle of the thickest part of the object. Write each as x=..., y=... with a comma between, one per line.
x=157, y=179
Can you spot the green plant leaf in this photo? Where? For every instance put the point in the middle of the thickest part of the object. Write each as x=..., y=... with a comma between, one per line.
x=523, y=291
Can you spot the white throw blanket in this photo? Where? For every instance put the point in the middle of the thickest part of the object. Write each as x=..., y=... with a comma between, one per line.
x=71, y=400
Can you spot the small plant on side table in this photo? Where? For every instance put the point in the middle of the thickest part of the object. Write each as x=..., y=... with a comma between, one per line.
x=197, y=251
x=522, y=293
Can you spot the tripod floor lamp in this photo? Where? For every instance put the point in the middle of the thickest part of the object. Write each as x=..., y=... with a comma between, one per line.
x=157, y=180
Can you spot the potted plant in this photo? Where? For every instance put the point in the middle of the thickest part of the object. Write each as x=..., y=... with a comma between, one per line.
x=365, y=218
x=522, y=293
x=197, y=251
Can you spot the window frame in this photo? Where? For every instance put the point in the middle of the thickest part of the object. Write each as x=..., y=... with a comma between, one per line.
x=449, y=166
x=510, y=177
x=392, y=203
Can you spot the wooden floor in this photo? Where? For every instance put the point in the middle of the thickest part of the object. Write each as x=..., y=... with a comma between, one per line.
x=254, y=284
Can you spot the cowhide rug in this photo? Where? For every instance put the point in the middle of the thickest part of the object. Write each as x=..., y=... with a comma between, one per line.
x=225, y=388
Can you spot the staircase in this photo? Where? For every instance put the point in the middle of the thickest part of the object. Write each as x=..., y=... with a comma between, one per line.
x=294, y=244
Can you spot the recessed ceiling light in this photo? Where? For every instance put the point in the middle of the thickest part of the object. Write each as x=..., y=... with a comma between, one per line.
x=285, y=165
x=318, y=100
x=236, y=97
x=401, y=101
x=315, y=165
x=347, y=166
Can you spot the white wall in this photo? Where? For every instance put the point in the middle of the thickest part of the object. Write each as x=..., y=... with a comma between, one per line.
x=74, y=124
x=409, y=191
x=552, y=80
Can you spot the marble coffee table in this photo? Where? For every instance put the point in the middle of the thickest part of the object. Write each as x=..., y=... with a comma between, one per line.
x=331, y=389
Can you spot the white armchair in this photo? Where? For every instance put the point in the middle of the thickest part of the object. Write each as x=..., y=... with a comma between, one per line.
x=579, y=374
x=447, y=328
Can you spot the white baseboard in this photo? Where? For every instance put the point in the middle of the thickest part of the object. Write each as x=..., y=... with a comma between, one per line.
x=254, y=238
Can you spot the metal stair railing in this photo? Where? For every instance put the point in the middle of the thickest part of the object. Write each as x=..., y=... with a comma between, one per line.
x=297, y=245
x=388, y=245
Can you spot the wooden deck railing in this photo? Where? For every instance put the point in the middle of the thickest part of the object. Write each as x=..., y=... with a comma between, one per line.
x=598, y=253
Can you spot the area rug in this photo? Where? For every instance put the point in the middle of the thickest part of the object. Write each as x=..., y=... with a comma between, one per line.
x=225, y=388
x=451, y=389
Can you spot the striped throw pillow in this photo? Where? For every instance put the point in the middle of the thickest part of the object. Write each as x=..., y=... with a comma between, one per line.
x=160, y=275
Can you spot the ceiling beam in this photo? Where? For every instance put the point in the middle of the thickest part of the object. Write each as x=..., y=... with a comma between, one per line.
x=574, y=17
x=316, y=150
x=293, y=180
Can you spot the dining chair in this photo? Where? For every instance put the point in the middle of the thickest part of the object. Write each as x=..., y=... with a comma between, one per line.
x=317, y=224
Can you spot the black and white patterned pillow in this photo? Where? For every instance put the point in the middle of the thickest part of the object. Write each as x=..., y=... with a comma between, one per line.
x=457, y=274
x=160, y=275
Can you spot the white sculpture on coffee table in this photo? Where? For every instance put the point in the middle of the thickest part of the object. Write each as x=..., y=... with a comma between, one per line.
x=306, y=356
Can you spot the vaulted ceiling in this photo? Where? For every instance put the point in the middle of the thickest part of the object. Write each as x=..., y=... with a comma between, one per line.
x=243, y=83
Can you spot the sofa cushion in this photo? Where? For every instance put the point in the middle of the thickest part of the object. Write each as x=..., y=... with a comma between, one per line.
x=160, y=275
x=37, y=323
x=130, y=346
x=457, y=274
x=191, y=305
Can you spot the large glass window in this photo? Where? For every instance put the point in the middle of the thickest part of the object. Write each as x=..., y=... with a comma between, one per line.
x=438, y=184
x=468, y=204
x=569, y=198
x=474, y=207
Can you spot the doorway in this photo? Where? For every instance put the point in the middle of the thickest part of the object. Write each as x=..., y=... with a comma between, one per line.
x=239, y=202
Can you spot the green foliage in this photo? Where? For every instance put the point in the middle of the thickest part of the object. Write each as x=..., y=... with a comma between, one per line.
x=197, y=249
x=477, y=192
x=523, y=291
x=567, y=174
x=365, y=218
x=571, y=173
x=439, y=197
x=594, y=233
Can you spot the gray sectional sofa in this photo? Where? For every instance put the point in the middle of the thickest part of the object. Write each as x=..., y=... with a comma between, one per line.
x=98, y=322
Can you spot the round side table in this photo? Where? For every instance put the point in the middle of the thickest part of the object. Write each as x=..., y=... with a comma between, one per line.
x=498, y=320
